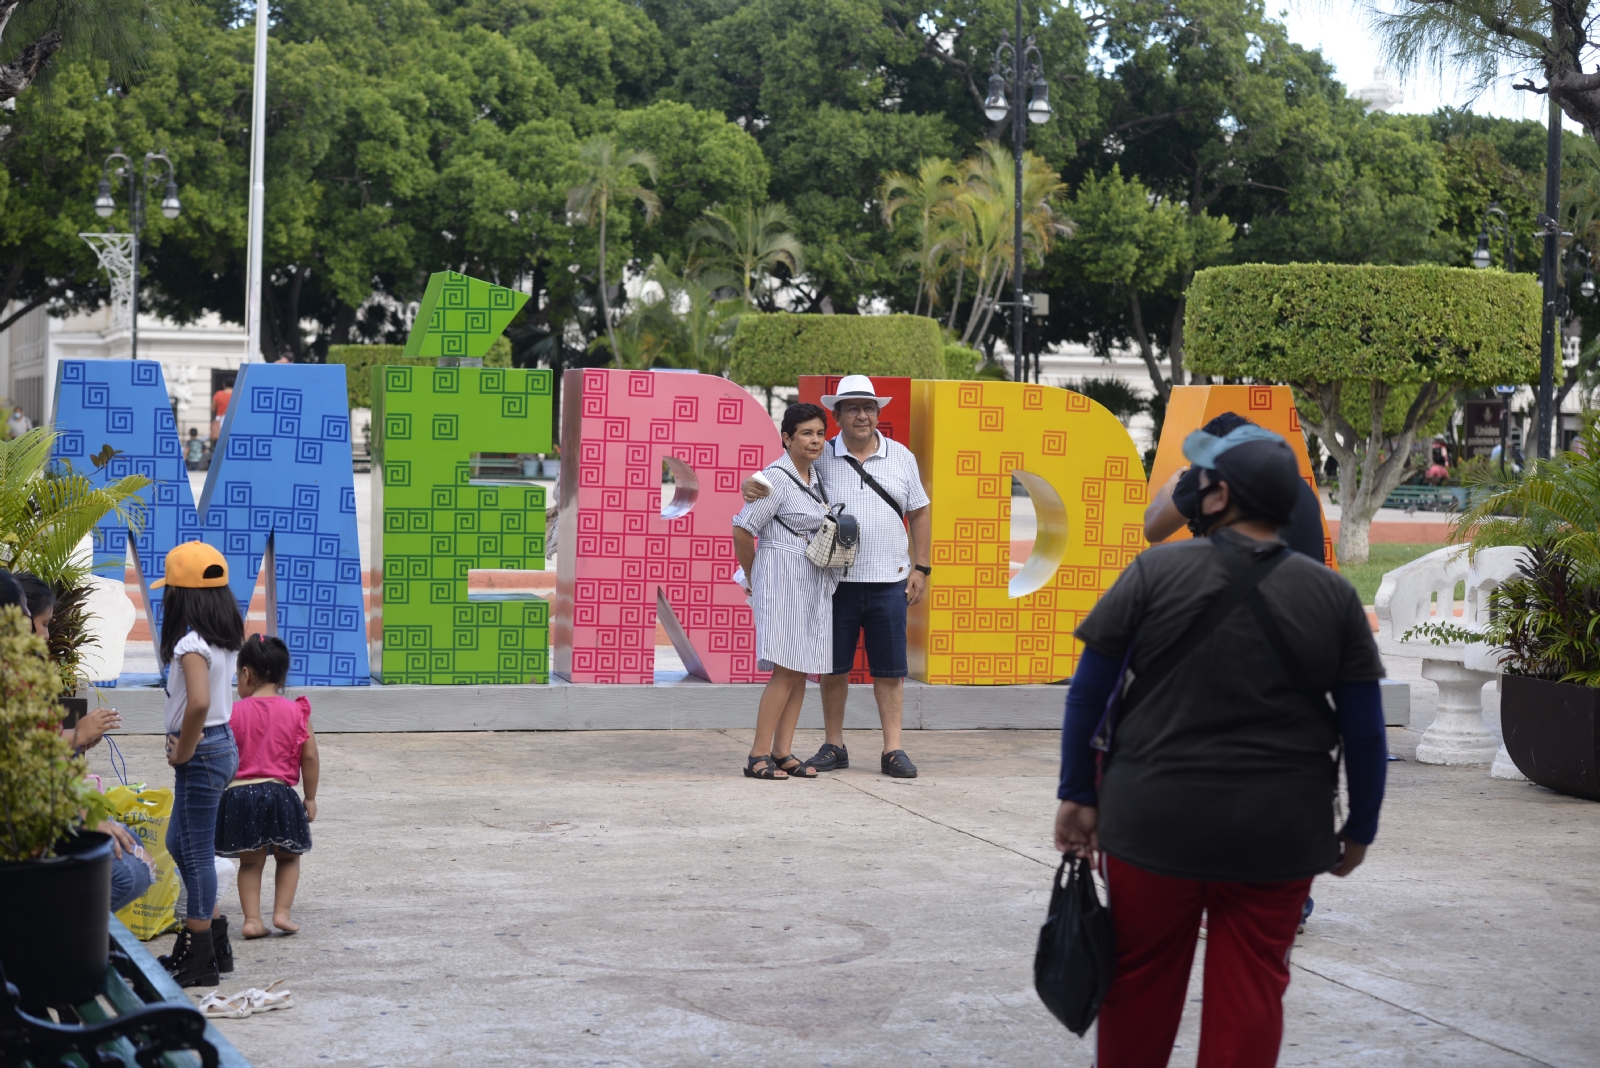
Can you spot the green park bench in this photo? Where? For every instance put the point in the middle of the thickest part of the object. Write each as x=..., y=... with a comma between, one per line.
x=142, y=1020
x=1428, y=498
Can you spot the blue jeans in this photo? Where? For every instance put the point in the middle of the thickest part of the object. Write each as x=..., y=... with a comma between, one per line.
x=130, y=878
x=192, y=833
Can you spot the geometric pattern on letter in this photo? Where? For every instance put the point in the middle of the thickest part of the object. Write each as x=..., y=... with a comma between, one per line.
x=281, y=475
x=124, y=404
x=461, y=316
x=1192, y=407
x=432, y=523
x=968, y=438
x=617, y=552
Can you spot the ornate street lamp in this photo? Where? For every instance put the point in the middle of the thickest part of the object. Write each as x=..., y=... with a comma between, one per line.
x=1499, y=224
x=104, y=205
x=1017, y=68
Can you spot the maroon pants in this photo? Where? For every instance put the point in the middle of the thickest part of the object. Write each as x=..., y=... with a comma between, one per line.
x=1250, y=929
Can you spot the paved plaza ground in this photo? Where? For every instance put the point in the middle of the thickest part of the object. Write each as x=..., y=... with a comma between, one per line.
x=626, y=898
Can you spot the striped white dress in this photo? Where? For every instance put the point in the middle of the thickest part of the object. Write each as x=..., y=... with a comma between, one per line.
x=791, y=596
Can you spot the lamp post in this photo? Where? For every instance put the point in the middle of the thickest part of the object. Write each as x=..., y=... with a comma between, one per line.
x=1496, y=221
x=1006, y=85
x=104, y=205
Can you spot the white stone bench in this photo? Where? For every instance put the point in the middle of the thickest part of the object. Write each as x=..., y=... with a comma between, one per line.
x=1423, y=591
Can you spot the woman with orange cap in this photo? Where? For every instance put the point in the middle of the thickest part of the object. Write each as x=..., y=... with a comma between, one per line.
x=201, y=632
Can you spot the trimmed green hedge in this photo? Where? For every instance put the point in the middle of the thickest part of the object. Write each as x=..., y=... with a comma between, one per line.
x=961, y=362
x=775, y=350
x=359, y=360
x=1318, y=322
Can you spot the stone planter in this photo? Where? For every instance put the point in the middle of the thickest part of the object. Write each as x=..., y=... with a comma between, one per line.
x=1552, y=731
x=57, y=913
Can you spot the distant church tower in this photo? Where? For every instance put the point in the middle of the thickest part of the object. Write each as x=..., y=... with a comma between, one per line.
x=1382, y=94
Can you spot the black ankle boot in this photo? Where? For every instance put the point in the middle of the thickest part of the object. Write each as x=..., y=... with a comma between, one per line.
x=179, y=948
x=221, y=945
x=194, y=962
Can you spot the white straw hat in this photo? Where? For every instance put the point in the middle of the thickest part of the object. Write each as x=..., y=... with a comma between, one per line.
x=854, y=387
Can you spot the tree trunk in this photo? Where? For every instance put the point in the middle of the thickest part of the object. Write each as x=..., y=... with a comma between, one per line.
x=1142, y=336
x=978, y=291
x=17, y=75
x=1365, y=481
x=297, y=341
x=344, y=320
x=605, y=300
x=988, y=314
x=1175, y=338
x=961, y=276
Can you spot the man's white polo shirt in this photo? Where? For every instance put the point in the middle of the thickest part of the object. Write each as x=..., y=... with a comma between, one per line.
x=884, y=555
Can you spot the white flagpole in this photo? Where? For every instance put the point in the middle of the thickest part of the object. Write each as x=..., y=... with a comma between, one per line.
x=258, y=191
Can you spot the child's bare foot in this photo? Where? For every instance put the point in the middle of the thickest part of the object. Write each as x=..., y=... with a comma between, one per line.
x=282, y=922
x=254, y=928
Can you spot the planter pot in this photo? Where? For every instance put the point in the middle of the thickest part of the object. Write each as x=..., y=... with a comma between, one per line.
x=55, y=922
x=1552, y=731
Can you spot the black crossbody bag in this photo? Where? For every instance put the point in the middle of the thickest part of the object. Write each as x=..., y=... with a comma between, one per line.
x=875, y=487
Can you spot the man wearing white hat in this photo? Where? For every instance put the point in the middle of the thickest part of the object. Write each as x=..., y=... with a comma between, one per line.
x=877, y=481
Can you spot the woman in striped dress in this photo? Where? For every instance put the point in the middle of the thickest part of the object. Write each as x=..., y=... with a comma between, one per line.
x=792, y=597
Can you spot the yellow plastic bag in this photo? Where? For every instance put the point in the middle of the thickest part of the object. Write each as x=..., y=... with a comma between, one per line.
x=146, y=813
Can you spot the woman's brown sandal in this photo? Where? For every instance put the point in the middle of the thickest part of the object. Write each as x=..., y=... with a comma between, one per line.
x=762, y=767
x=801, y=770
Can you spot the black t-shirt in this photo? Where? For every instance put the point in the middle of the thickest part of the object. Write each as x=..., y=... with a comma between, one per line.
x=1223, y=770
x=1303, y=534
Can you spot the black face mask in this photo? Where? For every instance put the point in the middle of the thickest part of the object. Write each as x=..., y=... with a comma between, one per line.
x=1203, y=523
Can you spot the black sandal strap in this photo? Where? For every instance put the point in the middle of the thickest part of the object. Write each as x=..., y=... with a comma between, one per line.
x=801, y=769
x=768, y=768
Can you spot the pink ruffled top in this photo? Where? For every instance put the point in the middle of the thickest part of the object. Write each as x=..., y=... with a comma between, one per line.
x=270, y=732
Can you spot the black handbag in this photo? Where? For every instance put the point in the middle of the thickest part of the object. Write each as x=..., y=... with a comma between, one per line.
x=1077, y=954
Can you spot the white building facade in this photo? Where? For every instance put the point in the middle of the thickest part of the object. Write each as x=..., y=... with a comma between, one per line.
x=196, y=359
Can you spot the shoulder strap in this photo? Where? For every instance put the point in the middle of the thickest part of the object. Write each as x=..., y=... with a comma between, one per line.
x=1221, y=607
x=872, y=484
x=807, y=490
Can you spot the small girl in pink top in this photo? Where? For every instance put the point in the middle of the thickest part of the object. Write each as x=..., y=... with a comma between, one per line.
x=260, y=810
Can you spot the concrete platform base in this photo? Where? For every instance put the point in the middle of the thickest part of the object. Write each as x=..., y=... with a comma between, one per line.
x=628, y=899
x=677, y=705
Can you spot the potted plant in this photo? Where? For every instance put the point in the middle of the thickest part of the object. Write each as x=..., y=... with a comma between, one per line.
x=1546, y=621
x=55, y=877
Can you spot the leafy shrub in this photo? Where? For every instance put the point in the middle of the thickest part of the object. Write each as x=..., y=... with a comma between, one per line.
x=775, y=350
x=1305, y=322
x=961, y=362
x=42, y=788
x=359, y=360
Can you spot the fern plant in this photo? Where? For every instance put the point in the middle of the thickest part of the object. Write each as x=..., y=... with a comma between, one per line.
x=46, y=510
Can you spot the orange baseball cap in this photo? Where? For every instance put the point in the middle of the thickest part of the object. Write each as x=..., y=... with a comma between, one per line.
x=194, y=565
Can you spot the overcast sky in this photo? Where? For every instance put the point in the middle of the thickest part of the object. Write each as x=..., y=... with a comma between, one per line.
x=1340, y=29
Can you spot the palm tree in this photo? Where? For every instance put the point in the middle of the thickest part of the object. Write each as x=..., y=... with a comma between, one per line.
x=748, y=240
x=985, y=207
x=925, y=194
x=679, y=319
x=612, y=175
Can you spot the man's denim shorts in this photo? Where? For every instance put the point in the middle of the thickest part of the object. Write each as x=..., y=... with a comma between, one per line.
x=878, y=610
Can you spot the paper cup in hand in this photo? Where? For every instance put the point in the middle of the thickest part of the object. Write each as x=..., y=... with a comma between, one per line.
x=761, y=477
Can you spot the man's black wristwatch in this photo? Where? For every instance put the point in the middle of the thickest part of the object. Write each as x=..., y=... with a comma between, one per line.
x=925, y=569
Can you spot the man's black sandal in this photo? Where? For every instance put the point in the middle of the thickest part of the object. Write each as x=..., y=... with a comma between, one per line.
x=762, y=767
x=799, y=770
x=897, y=765
x=830, y=758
